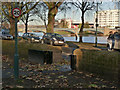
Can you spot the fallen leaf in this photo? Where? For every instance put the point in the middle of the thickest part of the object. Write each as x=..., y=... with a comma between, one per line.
x=93, y=85
x=29, y=78
x=104, y=86
x=62, y=76
x=19, y=86
x=56, y=80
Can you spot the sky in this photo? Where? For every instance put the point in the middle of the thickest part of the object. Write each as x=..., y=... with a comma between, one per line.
x=76, y=14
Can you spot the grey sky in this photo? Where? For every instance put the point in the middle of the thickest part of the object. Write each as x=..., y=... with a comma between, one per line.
x=89, y=16
x=76, y=14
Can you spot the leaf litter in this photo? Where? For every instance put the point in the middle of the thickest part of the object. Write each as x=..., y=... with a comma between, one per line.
x=37, y=79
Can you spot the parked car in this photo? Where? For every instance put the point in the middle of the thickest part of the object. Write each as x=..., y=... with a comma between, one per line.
x=53, y=39
x=31, y=37
x=6, y=36
x=115, y=43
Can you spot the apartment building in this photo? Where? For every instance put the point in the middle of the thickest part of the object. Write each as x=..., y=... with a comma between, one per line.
x=109, y=18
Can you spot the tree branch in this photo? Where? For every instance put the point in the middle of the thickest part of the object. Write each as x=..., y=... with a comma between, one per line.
x=59, y=3
x=22, y=5
x=29, y=9
x=3, y=10
x=89, y=7
x=47, y=3
x=33, y=20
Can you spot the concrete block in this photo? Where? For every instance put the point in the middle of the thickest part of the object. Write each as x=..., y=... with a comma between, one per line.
x=41, y=57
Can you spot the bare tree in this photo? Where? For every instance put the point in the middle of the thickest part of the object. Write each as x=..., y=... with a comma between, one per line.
x=117, y=4
x=64, y=8
x=52, y=11
x=48, y=10
x=3, y=18
x=41, y=11
x=7, y=9
x=25, y=19
x=83, y=6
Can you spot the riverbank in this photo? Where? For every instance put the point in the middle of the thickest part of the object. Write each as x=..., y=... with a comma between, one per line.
x=49, y=76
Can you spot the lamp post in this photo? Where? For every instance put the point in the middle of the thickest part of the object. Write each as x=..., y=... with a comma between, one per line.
x=96, y=20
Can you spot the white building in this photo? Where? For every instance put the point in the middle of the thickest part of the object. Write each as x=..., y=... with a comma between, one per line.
x=109, y=18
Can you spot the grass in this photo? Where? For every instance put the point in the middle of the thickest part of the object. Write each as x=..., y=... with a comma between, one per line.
x=63, y=32
x=8, y=48
x=69, y=33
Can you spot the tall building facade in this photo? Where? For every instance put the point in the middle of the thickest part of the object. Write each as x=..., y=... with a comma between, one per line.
x=109, y=18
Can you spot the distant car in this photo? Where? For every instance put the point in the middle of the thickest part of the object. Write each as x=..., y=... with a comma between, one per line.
x=53, y=39
x=31, y=37
x=115, y=42
x=6, y=36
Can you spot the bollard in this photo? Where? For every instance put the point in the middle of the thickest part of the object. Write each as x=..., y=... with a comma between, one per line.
x=79, y=55
x=76, y=57
x=73, y=62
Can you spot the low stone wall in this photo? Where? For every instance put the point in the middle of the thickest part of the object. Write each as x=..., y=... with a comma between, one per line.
x=100, y=62
x=103, y=63
x=78, y=53
x=41, y=57
x=57, y=56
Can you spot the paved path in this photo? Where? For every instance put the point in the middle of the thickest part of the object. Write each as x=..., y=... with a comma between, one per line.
x=67, y=51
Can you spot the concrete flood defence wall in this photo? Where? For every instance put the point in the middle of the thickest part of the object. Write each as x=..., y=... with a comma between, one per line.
x=102, y=63
x=41, y=57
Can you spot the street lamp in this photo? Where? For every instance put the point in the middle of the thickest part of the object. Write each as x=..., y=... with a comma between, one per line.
x=96, y=20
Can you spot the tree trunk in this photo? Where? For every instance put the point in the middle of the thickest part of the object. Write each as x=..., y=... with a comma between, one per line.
x=81, y=29
x=26, y=26
x=45, y=24
x=12, y=27
x=44, y=18
x=26, y=23
x=51, y=19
